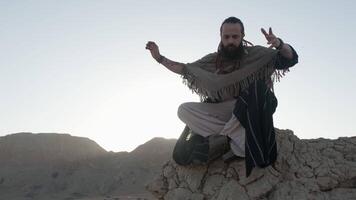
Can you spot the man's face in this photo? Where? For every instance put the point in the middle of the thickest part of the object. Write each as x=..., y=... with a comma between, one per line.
x=231, y=36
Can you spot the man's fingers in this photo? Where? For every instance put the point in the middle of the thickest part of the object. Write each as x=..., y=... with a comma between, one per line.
x=270, y=32
x=150, y=45
x=271, y=38
x=264, y=32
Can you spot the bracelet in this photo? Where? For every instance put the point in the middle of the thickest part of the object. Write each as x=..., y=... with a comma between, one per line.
x=281, y=43
x=160, y=59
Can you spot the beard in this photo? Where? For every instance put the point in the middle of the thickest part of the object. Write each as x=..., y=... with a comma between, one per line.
x=232, y=52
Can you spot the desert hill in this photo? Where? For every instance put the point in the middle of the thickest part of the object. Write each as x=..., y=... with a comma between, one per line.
x=60, y=166
x=46, y=149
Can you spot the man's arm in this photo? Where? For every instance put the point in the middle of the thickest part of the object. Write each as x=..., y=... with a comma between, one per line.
x=173, y=66
x=287, y=56
x=284, y=62
x=284, y=49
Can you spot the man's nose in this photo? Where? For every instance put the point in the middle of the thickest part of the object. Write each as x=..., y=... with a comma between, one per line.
x=230, y=41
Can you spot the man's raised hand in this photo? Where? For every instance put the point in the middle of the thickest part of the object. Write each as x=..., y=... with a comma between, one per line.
x=152, y=46
x=271, y=38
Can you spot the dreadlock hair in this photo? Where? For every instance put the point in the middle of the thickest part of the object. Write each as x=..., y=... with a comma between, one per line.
x=233, y=20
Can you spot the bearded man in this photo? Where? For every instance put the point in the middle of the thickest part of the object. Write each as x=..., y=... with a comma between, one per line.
x=235, y=85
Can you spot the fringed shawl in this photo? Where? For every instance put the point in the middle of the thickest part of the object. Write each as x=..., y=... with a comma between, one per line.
x=202, y=77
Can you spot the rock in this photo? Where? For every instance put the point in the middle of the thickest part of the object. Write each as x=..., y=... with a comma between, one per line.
x=304, y=169
x=178, y=194
x=232, y=190
x=342, y=193
x=264, y=184
x=213, y=183
x=158, y=187
x=192, y=176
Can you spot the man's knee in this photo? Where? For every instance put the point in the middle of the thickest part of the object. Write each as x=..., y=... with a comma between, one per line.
x=183, y=111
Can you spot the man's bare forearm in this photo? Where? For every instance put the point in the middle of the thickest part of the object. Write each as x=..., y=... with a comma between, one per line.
x=173, y=66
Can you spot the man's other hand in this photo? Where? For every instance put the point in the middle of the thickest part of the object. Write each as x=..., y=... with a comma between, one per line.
x=152, y=46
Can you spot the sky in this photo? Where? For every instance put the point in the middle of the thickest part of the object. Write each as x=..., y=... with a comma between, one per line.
x=80, y=67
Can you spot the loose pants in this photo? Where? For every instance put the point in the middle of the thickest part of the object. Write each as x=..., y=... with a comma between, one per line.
x=208, y=119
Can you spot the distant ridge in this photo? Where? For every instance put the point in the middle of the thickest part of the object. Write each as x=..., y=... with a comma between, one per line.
x=46, y=148
x=60, y=166
x=151, y=147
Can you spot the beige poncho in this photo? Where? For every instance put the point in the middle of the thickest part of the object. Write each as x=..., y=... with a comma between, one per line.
x=204, y=76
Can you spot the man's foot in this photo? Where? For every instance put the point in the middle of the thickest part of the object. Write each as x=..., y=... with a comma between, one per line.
x=230, y=156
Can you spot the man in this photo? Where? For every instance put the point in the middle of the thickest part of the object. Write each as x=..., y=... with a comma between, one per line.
x=238, y=79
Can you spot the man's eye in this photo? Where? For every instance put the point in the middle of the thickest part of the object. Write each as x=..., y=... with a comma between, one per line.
x=235, y=36
x=226, y=37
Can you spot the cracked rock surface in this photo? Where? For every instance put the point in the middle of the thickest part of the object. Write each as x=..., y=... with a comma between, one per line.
x=305, y=169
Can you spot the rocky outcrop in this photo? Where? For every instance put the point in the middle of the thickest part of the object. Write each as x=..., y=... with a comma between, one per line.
x=305, y=169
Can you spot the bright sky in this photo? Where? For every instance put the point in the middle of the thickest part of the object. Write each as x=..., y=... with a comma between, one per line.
x=81, y=67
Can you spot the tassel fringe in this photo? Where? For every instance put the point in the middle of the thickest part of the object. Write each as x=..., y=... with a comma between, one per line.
x=266, y=73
